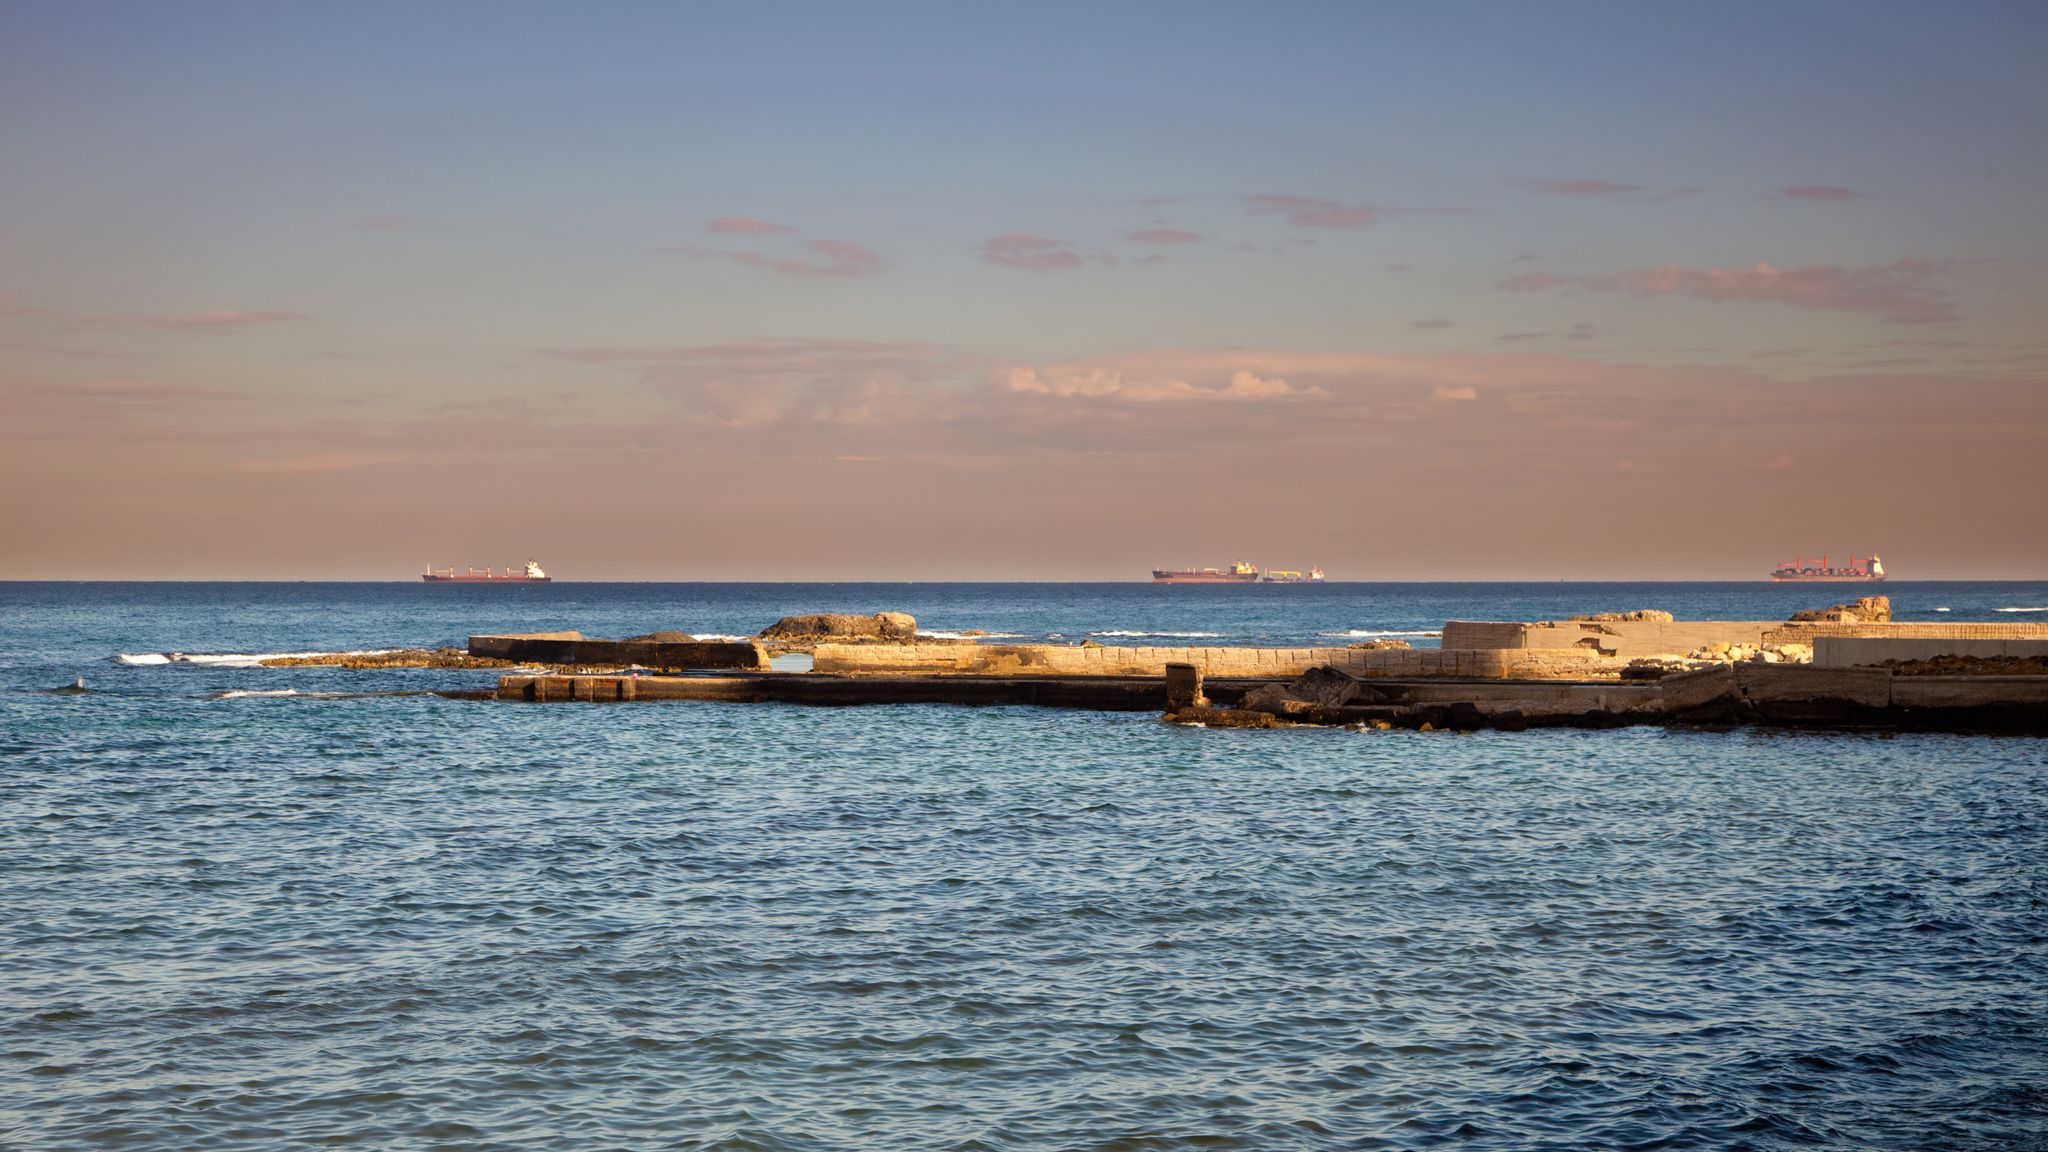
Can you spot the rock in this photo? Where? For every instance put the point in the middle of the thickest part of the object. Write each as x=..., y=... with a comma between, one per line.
x=1379, y=645
x=1639, y=614
x=1323, y=687
x=1222, y=718
x=894, y=627
x=662, y=638
x=1509, y=720
x=1867, y=610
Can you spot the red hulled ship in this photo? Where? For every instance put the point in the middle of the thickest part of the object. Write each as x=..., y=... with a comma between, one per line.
x=1238, y=573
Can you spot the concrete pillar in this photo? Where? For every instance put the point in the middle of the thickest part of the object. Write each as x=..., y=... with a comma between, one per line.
x=1184, y=687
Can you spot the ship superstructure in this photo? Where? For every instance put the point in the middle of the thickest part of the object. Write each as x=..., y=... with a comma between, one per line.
x=1290, y=576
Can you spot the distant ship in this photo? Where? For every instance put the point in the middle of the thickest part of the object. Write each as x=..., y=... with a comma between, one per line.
x=1238, y=573
x=1290, y=576
x=1804, y=571
x=532, y=575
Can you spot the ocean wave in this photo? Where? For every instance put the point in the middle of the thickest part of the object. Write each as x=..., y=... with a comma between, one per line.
x=231, y=659
x=1177, y=635
x=238, y=693
x=2020, y=609
x=719, y=638
x=1365, y=633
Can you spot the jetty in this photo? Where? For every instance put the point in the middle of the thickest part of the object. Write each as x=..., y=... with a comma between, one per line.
x=1840, y=667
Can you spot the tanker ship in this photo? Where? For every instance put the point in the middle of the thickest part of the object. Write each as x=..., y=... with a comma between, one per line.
x=1805, y=571
x=1238, y=573
x=1290, y=576
x=532, y=575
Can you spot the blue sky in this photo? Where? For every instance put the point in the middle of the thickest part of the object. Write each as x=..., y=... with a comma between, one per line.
x=339, y=224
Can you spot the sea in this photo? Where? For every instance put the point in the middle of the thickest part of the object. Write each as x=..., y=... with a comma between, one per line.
x=245, y=907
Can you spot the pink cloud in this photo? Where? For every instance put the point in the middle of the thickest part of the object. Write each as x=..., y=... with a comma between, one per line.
x=1816, y=192
x=1163, y=236
x=226, y=321
x=1034, y=253
x=316, y=462
x=1309, y=212
x=747, y=226
x=831, y=258
x=1138, y=387
x=1903, y=292
x=1585, y=187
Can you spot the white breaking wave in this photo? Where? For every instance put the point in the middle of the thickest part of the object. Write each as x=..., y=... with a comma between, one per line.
x=942, y=634
x=2020, y=609
x=232, y=659
x=1181, y=635
x=719, y=638
x=1363, y=633
x=1941, y=609
x=237, y=693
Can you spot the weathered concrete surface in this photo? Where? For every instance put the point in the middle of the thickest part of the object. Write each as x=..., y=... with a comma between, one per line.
x=544, y=649
x=1096, y=693
x=1184, y=687
x=1619, y=639
x=1910, y=692
x=1633, y=639
x=1269, y=663
x=1804, y=694
x=497, y=647
x=1864, y=651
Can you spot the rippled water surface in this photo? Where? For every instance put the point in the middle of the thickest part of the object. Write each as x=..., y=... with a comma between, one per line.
x=411, y=922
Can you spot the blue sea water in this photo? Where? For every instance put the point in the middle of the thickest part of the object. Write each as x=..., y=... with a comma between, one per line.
x=267, y=921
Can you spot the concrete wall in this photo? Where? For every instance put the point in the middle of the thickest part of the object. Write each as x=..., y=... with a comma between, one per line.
x=1621, y=639
x=1269, y=663
x=1629, y=639
x=500, y=646
x=1853, y=651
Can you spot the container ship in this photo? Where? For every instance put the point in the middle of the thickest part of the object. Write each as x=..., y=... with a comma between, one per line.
x=1290, y=576
x=532, y=575
x=1804, y=571
x=1238, y=573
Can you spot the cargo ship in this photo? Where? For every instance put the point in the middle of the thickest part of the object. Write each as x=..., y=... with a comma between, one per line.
x=1238, y=573
x=1290, y=576
x=448, y=575
x=1805, y=571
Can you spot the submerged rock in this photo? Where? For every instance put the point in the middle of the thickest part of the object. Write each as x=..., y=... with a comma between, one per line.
x=1223, y=718
x=662, y=638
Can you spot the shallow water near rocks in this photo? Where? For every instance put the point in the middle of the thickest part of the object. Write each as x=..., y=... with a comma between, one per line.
x=273, y=921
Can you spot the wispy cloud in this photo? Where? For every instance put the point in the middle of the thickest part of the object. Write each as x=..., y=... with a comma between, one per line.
x=316, y=462
x=1168, y=236
x=1069, y=381
x=1032, y=253
x=1824, y=192
x=827, y=258
x=1311, y=212
x=1585, y=187
x=1905, y=291
x=231, y=320
x=747, y=226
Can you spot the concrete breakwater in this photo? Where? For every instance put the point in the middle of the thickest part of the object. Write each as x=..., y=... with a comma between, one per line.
x=1830, y=671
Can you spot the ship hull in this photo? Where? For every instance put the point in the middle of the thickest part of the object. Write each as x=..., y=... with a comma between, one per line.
x=488, y=579
x=1827, y=579
x=1201, y=578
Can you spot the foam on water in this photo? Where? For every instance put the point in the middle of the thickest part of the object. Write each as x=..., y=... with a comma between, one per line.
x=230, y=659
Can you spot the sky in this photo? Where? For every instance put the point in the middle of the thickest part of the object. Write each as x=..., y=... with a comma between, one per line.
x=894, y=291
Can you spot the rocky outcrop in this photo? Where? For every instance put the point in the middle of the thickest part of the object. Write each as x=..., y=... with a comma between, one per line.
x=1653, y=615
x=800, y=633
x=1379, y=645
x=399, y=658
x=662, y=638
x=1314, y=689
x=1223, y=718
x=1867, y=610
